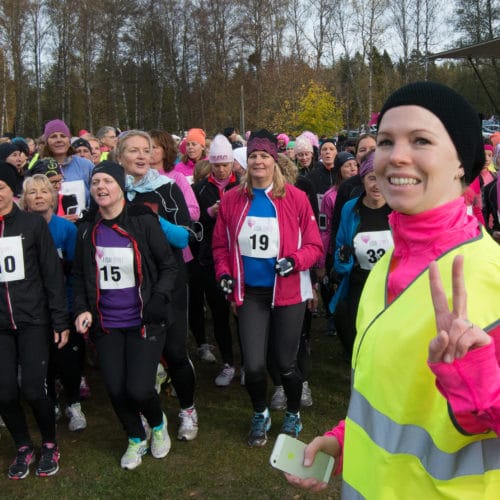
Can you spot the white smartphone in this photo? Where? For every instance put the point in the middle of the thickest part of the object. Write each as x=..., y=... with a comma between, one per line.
x=288, y=456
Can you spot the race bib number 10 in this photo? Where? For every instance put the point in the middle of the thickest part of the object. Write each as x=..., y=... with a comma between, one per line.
x=116, y=268
x=11, y=259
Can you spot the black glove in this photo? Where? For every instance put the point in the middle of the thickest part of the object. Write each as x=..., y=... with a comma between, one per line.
x=155, y=311
x=284, y=266
x=226, y=283
x=345, y=252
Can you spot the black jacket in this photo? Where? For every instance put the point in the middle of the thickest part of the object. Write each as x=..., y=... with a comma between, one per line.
x=39, y=298
x=156, y=267
x=207, y=193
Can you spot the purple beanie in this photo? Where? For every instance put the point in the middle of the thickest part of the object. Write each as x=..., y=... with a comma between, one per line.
x=367, y=165
x=263, y=140
x=56, y=126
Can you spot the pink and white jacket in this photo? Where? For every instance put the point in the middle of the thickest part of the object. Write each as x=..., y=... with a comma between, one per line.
x=298, y=238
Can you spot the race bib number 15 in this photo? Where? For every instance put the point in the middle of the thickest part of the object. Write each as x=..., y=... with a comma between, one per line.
x=116, y=268
x=11, y=259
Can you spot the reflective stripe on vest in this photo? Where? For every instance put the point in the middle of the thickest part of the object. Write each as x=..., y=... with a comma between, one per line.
x=400, y=440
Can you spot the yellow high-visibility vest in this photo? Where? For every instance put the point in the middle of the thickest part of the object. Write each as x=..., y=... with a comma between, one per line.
x=400, y=440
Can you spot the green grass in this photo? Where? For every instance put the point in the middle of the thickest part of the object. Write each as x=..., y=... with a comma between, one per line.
x=217, y=465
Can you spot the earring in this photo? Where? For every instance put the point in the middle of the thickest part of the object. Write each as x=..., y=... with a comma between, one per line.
x=460, y=173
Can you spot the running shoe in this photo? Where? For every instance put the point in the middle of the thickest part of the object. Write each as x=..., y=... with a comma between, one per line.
x=77, y=420
x=205, y=353
x=84, y=389
x=292, y=424
x=278, y=399
x=49, y=460
x=188, y=429
x=225, y=376
x=160, y=440
x=261, y=423
x=306, y=398
x=132, y=458
x=20, y=467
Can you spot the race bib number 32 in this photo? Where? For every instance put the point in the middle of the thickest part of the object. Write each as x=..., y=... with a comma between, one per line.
x=11, y=259
x=116, y=268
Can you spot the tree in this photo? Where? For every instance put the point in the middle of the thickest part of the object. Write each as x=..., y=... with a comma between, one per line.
x=319, y=111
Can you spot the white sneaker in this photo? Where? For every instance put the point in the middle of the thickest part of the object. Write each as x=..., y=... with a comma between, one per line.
x=188, y=429
x=77, y=420
x=205, y=353
x=160, y=440
x=132, y=458
x=161, y=377
x=278, y=399
x=225, y=376
x=306, y=398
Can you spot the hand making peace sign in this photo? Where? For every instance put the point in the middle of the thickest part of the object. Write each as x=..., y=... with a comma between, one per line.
x=456, y=334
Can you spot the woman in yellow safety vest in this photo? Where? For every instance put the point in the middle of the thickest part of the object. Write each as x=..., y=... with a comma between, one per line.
x=424, y=414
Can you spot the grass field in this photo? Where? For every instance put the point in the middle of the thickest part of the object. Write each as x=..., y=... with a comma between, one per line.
x=217, y=465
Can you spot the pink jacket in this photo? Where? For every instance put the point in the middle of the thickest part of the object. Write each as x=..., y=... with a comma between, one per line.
x=299, y=239
x=327, y=206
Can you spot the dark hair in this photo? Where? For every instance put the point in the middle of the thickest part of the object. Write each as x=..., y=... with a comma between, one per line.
x=166, y=141
x=361, y=137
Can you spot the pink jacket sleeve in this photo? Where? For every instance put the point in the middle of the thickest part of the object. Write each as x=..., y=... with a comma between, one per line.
x=312, y=247
x=339, y=432
x=471, y=386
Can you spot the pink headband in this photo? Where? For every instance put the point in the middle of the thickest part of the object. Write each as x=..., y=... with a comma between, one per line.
x=262, y=144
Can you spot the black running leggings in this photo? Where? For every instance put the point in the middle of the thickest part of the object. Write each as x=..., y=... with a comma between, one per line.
x=128, y=363
x=255, y=317
x=175, y=350
x=28, y=349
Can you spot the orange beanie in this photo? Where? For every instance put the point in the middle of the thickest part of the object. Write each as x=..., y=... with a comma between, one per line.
x=196, y=135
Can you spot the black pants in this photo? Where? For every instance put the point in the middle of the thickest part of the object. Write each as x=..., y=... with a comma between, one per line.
x=256, y=316
x=128, y=364
x=196, y=306
x=175, y=349
x=28, y=349
x=303, y=356
x=219, y=308
x=67, y=364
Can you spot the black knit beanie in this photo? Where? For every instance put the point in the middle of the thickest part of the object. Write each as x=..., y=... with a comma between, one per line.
x=458, y=117
x=8, y=174
x=113, y=169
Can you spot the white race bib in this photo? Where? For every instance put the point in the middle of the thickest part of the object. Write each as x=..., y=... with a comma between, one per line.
x=11, y=259
x=116, y=268
x=370, y=246
x=259, y=237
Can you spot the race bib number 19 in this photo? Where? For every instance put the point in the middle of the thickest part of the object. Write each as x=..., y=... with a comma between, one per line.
x=116, y=268
x=258, y=237
x=11, y=259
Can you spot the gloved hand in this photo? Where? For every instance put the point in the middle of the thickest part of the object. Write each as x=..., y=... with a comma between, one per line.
x=226, y=283
x=284, y=266
x=345, y=252
x=155, y=311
